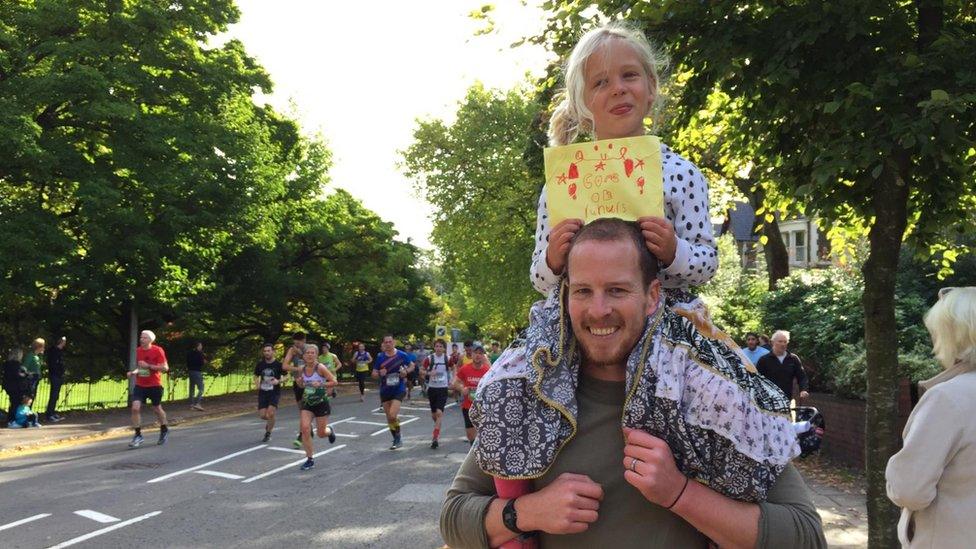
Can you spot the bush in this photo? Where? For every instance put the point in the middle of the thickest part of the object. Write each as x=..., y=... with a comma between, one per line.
x=850, y=371
x=734, y=295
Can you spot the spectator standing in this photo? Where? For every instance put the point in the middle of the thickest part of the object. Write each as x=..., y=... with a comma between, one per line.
x=14, y=382
x=764, y=342
x=32, y=365
x=783, y=367
x=195, y=360
x=753, y=351
x=55, y=377
x=933, y=477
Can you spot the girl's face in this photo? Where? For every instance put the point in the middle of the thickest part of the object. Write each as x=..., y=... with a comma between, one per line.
x=311, y=355
x=617, y=91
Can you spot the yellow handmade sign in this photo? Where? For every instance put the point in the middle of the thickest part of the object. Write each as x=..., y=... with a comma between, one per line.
x=608, y=178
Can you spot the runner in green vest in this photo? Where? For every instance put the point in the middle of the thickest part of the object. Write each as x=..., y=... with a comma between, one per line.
x=332, y=362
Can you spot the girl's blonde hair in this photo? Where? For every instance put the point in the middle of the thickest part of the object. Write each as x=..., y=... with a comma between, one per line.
x=571, y=117
x=952, y=324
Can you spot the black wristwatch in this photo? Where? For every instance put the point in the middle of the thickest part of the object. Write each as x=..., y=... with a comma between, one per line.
x=510, y=517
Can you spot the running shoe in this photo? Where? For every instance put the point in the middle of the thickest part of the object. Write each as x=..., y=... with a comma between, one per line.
x=35, y=424
x=309, y=463
x=397, y=443
x=434, y=444
x=162, y=437
x=332, y=435
x=197, y=407
x=13, y=425
x=136, y=441
x=267, y=436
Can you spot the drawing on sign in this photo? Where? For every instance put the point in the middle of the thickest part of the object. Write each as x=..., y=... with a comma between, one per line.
x=609, y=178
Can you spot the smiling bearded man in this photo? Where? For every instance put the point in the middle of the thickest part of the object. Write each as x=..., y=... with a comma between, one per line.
x=610, y=406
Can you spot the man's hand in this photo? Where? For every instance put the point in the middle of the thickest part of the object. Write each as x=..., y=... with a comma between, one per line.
x=559, y=239
x=142, y=364
x=659, y=237
x=567, y=506
x=654, y=473
x=382, y=371
x=804, y=394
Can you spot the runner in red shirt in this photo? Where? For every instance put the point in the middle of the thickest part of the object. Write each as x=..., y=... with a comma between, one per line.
x=150, y=363
x=466, y=381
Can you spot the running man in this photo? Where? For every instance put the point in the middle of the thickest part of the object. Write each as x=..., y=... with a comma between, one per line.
x=315, y=380
x=150, y=363
x=267, y=376
x=414, y=374
x=390, y=368
x=362, y=360
x=437, y=374
x=331, y=362
x=293, y=363
x=466, y=381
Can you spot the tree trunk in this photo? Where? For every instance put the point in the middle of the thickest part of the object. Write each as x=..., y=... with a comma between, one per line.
x=777, y=256
x=889, y=205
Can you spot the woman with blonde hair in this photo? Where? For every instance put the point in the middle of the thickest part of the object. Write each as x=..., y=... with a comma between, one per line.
x=933, y=477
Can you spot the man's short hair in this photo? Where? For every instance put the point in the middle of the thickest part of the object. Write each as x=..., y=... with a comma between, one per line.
x=608, y=229
x=266, y=345
x=783, y=333
x=298, y=336
x=752, y=334
x=468, y=343
x=441, y=341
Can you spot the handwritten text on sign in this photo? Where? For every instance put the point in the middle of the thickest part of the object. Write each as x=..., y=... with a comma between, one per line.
x=609, y=178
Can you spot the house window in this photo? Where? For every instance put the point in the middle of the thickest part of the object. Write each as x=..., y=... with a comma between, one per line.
x=800, y=246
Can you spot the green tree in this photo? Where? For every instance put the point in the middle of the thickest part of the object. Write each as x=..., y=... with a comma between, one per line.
x=862, y=110
x=484, y=195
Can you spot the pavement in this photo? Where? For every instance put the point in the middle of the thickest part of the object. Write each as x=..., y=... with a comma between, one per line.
x=213, y=484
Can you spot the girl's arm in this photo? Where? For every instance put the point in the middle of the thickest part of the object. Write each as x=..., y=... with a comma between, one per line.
x=542, y=277
x=686, y=206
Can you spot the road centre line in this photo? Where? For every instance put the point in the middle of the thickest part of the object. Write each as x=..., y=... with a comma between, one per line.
x=294, y=464
x=386, y=430
x=280, y=449
x=207, y=464
x=219, y=474
x=111, y=528
x=96, y=516
x=24, y=521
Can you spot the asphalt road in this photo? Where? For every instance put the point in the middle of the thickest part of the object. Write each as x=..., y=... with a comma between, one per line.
x=215, y=484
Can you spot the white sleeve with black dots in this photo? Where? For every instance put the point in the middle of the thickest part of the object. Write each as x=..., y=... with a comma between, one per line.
x=543, y=279
x=686, y=206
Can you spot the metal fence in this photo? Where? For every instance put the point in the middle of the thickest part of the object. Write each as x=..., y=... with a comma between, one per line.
x=114, y=393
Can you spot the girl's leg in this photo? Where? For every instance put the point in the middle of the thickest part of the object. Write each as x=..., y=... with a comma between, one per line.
x=305, y=426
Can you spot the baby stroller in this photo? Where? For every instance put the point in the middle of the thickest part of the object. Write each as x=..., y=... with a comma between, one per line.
x=809, y=429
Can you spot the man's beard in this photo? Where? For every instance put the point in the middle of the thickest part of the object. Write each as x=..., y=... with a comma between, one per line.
x=617, y=360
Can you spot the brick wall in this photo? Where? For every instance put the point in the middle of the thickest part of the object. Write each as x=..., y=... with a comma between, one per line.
x=844, y=433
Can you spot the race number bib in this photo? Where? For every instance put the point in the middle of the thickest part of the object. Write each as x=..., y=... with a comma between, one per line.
x=440, y=377
x=392, y=380
x=310, y=391
x=266, y=384
x=144, y=372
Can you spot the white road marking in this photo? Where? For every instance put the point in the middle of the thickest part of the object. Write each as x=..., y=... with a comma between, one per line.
x=367, y=422
x=96, y=516
x=221, y=475
x=280, y=449
x=346, y=435
x=207, y=464
x=451, y=404
x=24, y=521
x=338, y=421
x=381, y=431
x=417, y=408
x=294, y=464
x=111, y=528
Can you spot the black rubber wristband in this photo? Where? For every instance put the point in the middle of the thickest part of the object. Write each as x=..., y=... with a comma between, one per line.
x=681, y=493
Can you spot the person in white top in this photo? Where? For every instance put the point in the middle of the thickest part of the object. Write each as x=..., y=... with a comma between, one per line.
x=933, y=477
x=437, y=373
x=609, y=95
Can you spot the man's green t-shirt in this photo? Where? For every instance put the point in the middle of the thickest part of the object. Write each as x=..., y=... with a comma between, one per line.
x=32, y=363
x=331, y=361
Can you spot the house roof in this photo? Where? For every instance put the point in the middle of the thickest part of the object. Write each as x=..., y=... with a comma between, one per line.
x=741, y=219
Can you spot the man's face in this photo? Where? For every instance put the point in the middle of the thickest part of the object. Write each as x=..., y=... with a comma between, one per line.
x=780, y=343
x=608, y=301
x=467, y=350
x=388, y=344
x=298, y=344
x=494, y=347
x=454, y=349
x=752, y=342
x=439, y=348
x=268, y=353
x=408, y=348
x=479, y=358
x=362, y=347
x=144, y=339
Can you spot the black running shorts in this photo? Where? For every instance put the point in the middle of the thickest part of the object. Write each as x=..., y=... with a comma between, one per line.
x=437, y=397
x=152, y=395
